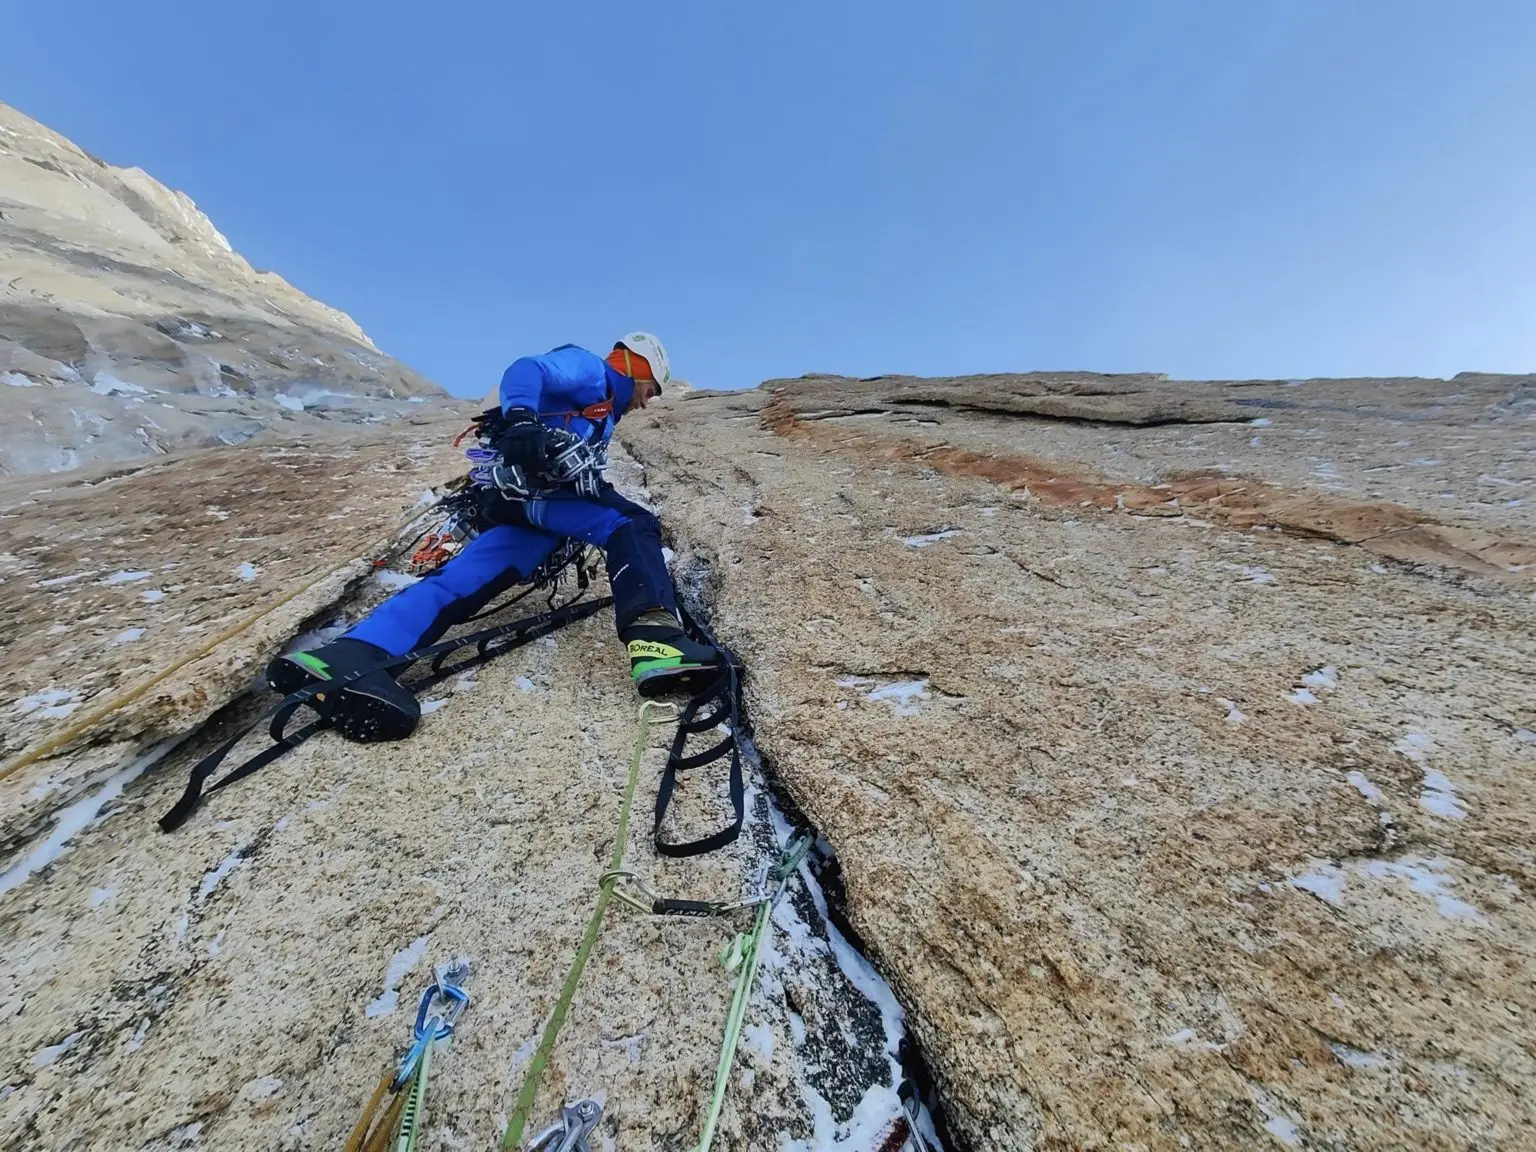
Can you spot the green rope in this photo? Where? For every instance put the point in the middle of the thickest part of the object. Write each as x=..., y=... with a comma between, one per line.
x=743, y=954
x=525, y=1098
x=415, y=1105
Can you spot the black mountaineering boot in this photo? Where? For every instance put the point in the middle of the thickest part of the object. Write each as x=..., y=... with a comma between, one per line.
x=373, y=707
x=662, y=658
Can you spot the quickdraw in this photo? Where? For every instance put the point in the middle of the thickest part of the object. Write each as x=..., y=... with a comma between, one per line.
x=399, y=1124
x=573, y=1131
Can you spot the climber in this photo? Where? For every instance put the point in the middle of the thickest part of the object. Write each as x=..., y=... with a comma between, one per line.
x=540, y=482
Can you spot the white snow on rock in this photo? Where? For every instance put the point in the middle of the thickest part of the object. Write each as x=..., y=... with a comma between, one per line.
x=127, y=636
x=930, y=538
x=1325, y=881
x=394, y=581
x=1261, y=422
x=1362, y=785
x=1427, y=877
x=100, y=896
x=50, y=704
x=1277, y=1123
x=292, y=403
x=431, y=705
x=80, y=814
x=17, y=380
x=400, y=964
x=213, y=879
x=47, y=1057
x=1322, y=678
x=111, y=386
x=1258, y=574
x=1439, y=797
x=902, y=696
x=247, y=571
x=1235, y=715
x=126, y=577
x=1355, y=1058
x=61, y=580
x=1413, y=745
x=152, y=596
x=524, y=684
x=1302, y=696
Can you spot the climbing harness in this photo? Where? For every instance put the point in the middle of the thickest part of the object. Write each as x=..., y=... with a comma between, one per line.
x=572, y=1132
x=556, y=1021
x=741, y=956
x=323, y=696
x=398, y=1125
x=570, y=460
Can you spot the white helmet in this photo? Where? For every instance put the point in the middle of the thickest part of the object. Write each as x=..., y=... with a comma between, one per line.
x=644, y=344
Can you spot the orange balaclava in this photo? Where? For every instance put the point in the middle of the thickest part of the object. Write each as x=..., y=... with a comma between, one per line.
x=631, y=364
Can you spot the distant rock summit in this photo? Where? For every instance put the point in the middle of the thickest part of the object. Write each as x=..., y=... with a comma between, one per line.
x=130, y=328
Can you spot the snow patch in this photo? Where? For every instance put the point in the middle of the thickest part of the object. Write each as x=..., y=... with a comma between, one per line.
x=1427, y=877
x=152, y=596
x=524, y=684
x=929, y=538
x=902, y=695
x=49, y=704
x=1277, y=1123
x=1322, y=678
x=100, y=896
x=47, y=1057
x=59, y=580
x=400, y=965
x=125, y=577
x=127, y=636
x=1325, y=881
x=394, y=581
x=1258, y=574
x=17, y=380
x=111, y=386
x=431, y=705
x=80, y=814
x=1362, y=785
x=1302, y=696
x=292, y=403
x=1234, y=714
x=247, y=571
x=1439, y=797
x=212, y=879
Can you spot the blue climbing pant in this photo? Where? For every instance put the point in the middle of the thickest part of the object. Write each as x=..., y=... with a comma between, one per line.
x=508, y=554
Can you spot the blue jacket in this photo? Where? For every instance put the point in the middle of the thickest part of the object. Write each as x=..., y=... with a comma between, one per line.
x=559, y=384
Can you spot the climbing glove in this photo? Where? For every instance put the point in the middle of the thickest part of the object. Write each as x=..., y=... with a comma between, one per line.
x=522, y=441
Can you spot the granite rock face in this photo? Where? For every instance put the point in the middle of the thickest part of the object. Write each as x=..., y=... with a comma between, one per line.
x=130, y=328
x=1175, y=737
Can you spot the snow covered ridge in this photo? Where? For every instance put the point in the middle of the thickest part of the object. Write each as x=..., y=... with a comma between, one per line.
x=212, y=353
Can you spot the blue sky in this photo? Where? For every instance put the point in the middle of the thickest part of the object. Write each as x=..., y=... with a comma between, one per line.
x=1231, y=188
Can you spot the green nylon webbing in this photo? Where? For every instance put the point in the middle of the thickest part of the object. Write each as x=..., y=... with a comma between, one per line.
x=416, y=1105
x=525, y=1098
x=746, y=949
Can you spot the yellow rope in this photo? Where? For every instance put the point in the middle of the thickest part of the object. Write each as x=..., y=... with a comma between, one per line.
x=100, y=712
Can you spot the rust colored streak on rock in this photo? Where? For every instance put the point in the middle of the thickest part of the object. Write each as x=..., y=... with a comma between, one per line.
x=1391, y=530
